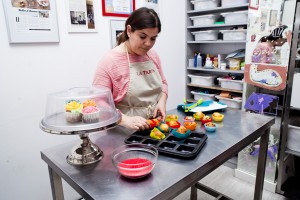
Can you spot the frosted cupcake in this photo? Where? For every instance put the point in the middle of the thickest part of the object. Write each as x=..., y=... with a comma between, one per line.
x=89, y=102
x=73, y=110
x=90, y=114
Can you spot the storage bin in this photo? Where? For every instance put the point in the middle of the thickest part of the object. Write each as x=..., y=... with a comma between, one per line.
x=204, y=20
x=231, y=84
x=230, y=3
x=293, y=136
x=206, y=35
x=204, y=80
x=205, y=97
x=231, y=103
x=239, y=34
x=205, y=4
x=239, y=17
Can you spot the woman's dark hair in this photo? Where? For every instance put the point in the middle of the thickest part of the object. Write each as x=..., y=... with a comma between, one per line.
x=140, y=19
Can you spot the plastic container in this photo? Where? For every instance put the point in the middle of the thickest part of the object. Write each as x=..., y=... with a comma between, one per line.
x=202, y=80
x=234, y=64
x=204, y=20
x=238, y=34
x=231, y=84
x=230, y=3
x=205, y=4
x=231, y=103
x=206, y=35
x=293, y=136
x=239, y=17
x=205, y=97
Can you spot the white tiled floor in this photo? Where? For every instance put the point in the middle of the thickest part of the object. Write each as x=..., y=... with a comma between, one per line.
x=222, y=180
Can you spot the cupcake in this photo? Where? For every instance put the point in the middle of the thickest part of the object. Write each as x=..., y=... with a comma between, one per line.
x=89, y=102
x=73, y=110
x=90, y=114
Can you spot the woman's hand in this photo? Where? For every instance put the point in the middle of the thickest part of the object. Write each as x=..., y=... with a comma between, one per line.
x=134, y=123
x=161, y=107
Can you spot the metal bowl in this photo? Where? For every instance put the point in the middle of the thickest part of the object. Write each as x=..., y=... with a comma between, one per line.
x=134, y=160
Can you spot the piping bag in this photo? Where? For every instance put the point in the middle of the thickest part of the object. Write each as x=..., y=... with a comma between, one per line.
x=187, y=107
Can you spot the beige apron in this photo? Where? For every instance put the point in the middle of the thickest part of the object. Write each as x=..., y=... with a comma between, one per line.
x=144, y=90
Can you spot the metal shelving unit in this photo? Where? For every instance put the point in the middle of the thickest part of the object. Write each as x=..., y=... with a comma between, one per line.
x=211, y=47
x=284, y=152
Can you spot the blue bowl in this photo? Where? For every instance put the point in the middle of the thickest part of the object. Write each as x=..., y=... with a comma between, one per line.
x=181, y=135
x=210, y=128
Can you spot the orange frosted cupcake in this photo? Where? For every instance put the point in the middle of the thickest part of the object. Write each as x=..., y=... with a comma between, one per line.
x=89, y=102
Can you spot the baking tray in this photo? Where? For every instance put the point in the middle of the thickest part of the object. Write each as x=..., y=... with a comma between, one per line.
x=183, y=148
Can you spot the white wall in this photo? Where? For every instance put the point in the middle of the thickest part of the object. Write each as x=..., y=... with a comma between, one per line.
x=30, y=71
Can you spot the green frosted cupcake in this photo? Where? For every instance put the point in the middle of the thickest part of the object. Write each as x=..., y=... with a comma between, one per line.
x=73, y=110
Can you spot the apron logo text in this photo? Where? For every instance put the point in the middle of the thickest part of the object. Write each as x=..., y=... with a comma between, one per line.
x=145, y=72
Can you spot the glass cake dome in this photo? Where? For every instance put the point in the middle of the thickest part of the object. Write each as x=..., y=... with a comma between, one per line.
x=79, y=110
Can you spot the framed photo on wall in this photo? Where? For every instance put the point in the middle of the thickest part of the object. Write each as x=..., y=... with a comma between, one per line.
x=31, y=21
x=116, y=28
x=254, y=4
x=80, y=15
x=117, y=8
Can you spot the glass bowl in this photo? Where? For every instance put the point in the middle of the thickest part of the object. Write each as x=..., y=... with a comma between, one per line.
x=134, y=160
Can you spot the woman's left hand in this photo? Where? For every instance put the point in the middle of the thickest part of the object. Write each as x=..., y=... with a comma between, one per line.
x=161, y=107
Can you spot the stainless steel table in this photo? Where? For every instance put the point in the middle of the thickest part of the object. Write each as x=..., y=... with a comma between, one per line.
x=171, y=176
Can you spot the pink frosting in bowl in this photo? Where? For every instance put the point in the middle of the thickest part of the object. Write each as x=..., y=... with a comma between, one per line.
x=89, y=109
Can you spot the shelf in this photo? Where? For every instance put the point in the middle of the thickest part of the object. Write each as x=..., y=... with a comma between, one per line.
x=216, y=41
x=212, y=47
x=219, y=9
x=216, y=26
x=215, y=87
x=291, y=152
x=216, y=70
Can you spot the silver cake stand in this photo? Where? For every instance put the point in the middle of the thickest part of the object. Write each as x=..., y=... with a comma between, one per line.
x=86, y=152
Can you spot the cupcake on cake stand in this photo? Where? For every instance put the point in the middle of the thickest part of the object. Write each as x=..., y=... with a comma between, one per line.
x=80, y=111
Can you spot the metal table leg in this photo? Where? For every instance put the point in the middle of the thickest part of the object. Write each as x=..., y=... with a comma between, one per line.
x=56, y=185
x=261, y=165
x=193, y=193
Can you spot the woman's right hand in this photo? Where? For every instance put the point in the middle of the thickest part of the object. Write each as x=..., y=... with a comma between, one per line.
x=134, y=122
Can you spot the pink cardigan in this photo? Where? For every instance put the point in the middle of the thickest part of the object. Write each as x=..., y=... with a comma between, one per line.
x=113, y=72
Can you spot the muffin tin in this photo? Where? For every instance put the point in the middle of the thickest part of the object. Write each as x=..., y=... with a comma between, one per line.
x=170, y=145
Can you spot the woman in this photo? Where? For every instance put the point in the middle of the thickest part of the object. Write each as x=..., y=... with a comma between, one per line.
x=132, y=71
